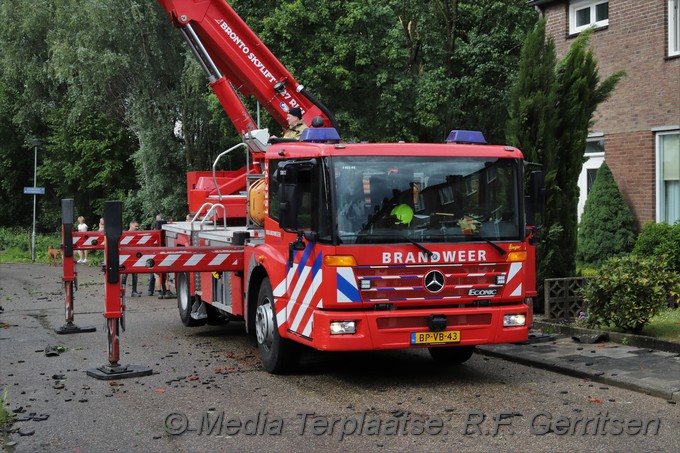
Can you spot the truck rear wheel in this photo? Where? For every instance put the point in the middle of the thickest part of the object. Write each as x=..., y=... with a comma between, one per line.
x=185, y=301
x=454, y=355
x=278, y=354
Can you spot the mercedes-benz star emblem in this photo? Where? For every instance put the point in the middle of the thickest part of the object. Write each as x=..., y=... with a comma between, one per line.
x=434, y=281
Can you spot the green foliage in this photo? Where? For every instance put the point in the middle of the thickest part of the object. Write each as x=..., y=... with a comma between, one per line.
x=19, y=238
x=23, y=101
x=608, y=228
x=585, y=271
x=628, y=291
x=16, y=168
x=399, y=70
x=88, y=159
x=15, y=245
x=532, y=113
x=660, y=240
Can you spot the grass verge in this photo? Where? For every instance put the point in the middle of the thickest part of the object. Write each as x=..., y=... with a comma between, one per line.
x=664, y=326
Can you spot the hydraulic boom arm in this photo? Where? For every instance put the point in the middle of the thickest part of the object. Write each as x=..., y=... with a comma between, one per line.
x=234, y=58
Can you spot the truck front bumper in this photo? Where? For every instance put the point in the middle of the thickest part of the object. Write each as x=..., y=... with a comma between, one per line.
x=394, y=329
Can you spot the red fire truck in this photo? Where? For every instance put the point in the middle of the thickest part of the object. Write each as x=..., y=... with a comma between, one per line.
x=343, y=246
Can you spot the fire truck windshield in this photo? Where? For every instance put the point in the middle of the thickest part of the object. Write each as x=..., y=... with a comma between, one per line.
x=393, y=199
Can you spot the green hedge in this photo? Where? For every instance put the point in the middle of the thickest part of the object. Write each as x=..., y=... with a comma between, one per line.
x=662, y=240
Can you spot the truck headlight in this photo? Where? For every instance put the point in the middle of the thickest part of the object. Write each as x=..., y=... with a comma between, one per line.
x=516, y=320
x=343, y=327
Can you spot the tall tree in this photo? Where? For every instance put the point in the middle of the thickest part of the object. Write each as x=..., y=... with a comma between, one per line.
x=549, y=117
x=532, y=112
x=130, y=70
x=532, y=119
x=579, y=92
x=24, y=103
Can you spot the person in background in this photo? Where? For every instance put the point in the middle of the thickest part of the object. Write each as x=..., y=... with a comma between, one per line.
x=101, y=224
x=82, y=228
x=164, y=293
x=158, y=224
x=134, y=226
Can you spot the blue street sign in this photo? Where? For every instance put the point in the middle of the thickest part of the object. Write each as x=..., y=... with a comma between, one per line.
x=34, y=191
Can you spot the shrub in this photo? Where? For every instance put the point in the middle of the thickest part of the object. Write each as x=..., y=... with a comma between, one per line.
x=607, y=227
x=15, y=245
x=19, y=238
x=628, y=291
x=661, y=240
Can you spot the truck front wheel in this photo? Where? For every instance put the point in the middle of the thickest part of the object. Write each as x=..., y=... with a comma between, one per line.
x=185, y=301
x=277, y=354
x=454, y=355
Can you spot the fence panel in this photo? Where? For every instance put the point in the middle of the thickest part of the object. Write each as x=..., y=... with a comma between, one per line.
x=562, y=298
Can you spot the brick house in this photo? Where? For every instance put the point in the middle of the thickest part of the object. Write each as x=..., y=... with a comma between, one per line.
x=638, y=129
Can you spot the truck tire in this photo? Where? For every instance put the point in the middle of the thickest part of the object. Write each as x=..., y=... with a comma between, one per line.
x=185, y=301
x=278, y=354
x=454, y=355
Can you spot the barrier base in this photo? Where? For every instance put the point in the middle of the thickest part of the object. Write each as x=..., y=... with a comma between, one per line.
x=72, y=328
x=109, y=373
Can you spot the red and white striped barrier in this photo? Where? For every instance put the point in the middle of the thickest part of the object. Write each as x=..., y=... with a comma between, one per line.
x=134, y=260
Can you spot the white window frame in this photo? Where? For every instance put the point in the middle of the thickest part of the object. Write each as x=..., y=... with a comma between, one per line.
x=579, y=5
x=660, y=188
x=593, y=161
x=673, y=28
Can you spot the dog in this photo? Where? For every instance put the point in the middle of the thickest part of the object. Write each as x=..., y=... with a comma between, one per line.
x=54, y=255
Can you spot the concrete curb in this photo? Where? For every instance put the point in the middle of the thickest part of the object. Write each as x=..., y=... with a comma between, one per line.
x=639, y=341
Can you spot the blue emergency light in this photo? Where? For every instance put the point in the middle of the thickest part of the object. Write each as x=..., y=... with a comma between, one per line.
x=460, y=136
x=320, y=135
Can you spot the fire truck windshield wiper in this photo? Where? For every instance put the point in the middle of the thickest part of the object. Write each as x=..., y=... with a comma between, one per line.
x=491, y=243
x=418, y=244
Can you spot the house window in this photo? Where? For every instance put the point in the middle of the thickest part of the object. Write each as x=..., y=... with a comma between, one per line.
x=594, y=158
x=673, y=27
x=588, y=13
x=591, y=174
x=668, y=176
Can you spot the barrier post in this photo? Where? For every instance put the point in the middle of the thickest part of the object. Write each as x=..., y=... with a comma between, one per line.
x=113, y=219
x=68, y=270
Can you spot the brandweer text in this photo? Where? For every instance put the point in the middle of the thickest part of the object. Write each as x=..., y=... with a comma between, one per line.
x=448, y=256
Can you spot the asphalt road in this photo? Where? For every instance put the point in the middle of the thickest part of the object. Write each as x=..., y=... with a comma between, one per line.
x=209, y=392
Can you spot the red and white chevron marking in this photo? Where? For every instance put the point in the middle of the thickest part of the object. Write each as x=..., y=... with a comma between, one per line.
x=146, y=238
x=88, y=241
x=180, y=259
x=95, y=240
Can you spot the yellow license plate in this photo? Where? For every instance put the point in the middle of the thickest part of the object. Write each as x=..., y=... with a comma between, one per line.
x=447, y=336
